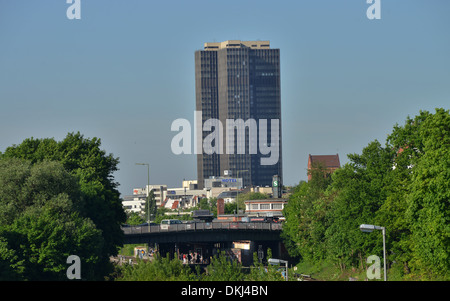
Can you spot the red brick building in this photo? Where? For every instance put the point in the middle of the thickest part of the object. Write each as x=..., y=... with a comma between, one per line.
x=329, y=162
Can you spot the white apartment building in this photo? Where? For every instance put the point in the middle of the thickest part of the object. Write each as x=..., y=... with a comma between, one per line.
x=136, y=202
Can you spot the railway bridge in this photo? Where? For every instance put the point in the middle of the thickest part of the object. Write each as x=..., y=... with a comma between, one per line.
x=208, y=238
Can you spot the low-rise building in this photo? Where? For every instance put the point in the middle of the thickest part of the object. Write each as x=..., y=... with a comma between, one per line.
x=329, y=162
x=265, y=190
x=159, y=191
x=265, y=207
x=136, y=201
x=184, y=197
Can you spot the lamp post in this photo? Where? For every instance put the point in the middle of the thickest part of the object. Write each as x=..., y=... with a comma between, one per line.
x=274, y=261
x=184, y=186
x=370, y=228
x=148, y=193
x=237, y=194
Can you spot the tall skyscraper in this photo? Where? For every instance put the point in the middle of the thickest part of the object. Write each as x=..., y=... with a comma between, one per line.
x=240, y=80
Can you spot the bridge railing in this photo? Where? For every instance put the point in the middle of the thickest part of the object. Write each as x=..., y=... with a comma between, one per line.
x=201, y=227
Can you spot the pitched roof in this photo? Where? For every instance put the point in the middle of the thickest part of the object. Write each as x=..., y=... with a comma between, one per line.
x=329, y=161
x=175, y=204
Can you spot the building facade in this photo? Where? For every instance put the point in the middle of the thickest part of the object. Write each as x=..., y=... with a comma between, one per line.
x=171, y=198
x=329, y=162
x=231, y=182
x=136, y=202
x=265, y=207
x=239, y=80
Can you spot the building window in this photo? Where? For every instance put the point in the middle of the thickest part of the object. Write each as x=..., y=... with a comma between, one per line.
x=264, y=206
x=255, y=207
x=277, y=206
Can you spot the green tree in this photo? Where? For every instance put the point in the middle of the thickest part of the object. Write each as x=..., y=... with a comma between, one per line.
x=222, y=268
x=230, y=208
x=41, y=224
x=402, y=186
x=260, y=272
x=359, y=189
x=416, y=212
x=242, y=197
x=428, y=202
x=203, y=204
x=305, y=213
x=133, y=218
x=207, y=204
x=213, y=206
x=93, y=170
x=10, y=268
x=150, y=205
x=159, y=269
x=290, y=231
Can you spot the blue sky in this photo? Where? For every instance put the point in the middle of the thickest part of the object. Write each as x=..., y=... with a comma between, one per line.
x=125, y=71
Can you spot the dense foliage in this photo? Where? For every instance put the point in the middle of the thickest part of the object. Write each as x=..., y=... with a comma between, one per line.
x=221, y=268
x=403, y=186
x=58, y=199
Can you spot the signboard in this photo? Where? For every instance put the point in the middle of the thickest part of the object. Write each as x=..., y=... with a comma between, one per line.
x=229, y=180
x=276, y=186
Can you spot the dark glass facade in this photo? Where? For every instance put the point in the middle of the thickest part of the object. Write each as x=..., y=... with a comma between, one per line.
x=237, y=81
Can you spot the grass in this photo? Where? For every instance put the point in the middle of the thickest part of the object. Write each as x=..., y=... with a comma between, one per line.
x=128, y=249
x=326, y=271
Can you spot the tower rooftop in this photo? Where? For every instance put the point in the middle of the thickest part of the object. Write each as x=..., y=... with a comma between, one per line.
x=237, y=44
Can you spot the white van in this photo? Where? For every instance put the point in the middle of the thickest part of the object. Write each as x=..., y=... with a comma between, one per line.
x=165, y=223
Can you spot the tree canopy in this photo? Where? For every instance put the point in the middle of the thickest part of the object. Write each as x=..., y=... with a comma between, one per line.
x=56, y=198
x=403, y=186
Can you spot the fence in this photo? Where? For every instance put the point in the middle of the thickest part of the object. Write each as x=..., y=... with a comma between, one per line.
x=201, y=227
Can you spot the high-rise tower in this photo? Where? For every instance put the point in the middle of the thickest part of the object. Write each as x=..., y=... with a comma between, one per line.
x=239, y=80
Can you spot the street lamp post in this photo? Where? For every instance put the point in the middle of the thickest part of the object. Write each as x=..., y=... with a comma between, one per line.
x=237, y=194
x=370, y=228
x=184, y=186
x=148, y=193
x=274, y=261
